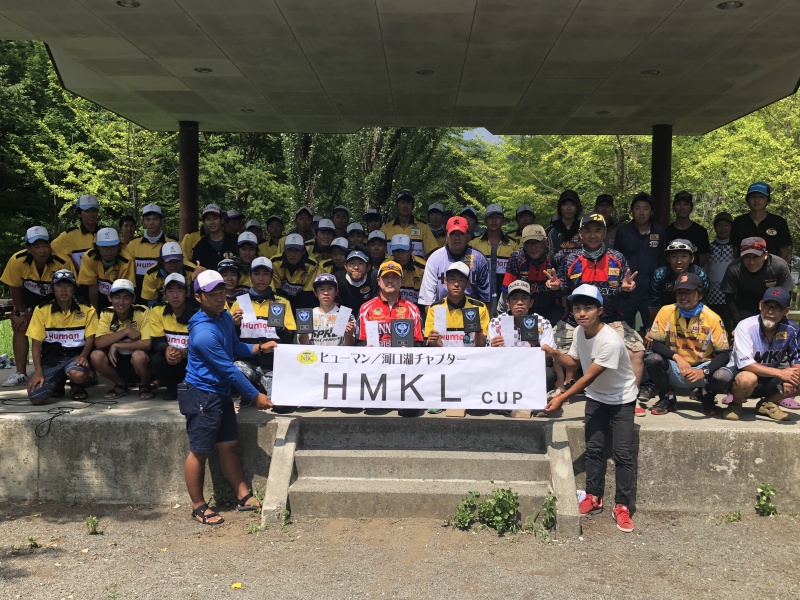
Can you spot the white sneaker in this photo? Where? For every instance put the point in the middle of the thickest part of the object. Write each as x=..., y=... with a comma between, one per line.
x=16, y=379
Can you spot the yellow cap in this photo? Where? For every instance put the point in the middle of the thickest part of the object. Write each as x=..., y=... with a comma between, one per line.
x=390, y=266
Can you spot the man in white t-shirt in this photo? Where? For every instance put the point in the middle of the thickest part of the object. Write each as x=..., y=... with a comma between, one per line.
x=610, y=387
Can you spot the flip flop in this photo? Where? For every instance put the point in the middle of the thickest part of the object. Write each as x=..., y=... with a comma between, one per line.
x=790, y=403
x=727, y=399
x=116, y=392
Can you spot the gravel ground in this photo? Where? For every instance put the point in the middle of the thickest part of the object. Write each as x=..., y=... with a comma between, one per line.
x=157, y=552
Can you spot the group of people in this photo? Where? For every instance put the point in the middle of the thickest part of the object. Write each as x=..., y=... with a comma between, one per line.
x=101, y=300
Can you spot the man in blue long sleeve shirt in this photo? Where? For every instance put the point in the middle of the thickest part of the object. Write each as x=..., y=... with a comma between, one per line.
x=205, y=398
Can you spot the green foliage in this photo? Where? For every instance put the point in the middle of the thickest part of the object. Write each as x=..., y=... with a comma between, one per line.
x=734, y=517
x=500, y=511
x=464, y=516
x=543, y=523
x=32, y=543
x=286, y=518
x=223, y=496
x=764, y=505
x=91, y=525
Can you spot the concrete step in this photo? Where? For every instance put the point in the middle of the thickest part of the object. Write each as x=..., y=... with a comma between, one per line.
x=489, y=434
x=399, y=498
x=423, y=464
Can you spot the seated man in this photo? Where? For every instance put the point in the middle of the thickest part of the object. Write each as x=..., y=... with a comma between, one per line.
x=168, y=330
x=680, y=259
x=766, y=358
x=456, y=279
x=170, y=261
x=339, y=250
x=520, y=303
x=121, y=342
x=62, y=334
x=102, y=265
x=358, y=283
x=229, y=269
x=690, y=347
x=294, y=273
x=325, y=315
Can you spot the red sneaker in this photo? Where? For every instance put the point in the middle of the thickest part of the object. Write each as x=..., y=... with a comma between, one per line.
x=591, y=505
x=639, y=411
x=622, y=515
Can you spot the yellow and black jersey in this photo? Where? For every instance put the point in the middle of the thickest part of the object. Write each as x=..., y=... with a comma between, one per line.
x=144, y=254
x=412, y=279
x=62, y=334
x=138, y=318
x=290, y=281
x=326, y=266
x=189, y=241
x=317, y=253
x=74, y=242
x=422, y=240
x=271, y=248
x=504, y=250
x=259, y=331
x=21, y=272
x=162, y=323
x=153, y=282
x=455, y=336
x=94, y=272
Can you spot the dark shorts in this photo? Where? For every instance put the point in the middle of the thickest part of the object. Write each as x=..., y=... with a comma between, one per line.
x=210, y=418
x=766, y=386
x=56, y=376
x=124, y=368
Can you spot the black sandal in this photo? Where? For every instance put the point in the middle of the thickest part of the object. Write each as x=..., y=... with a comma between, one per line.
x=243, y=506
x=78, y=392
x=145, y=392
x=200, y=511
x=116, y=392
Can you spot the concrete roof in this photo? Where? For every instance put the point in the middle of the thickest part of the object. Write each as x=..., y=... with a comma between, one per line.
x=512, y=66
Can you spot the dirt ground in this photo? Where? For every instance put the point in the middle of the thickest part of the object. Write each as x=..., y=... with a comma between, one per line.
x=158, y=552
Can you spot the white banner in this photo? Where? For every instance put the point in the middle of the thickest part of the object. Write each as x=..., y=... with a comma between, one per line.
x=411, y=378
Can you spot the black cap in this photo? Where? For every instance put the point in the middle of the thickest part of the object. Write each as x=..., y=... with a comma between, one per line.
x=683, y=196
x=405, y=194
x=688, y=281
x=593, y=218
x=569, y=195
x=605, y=199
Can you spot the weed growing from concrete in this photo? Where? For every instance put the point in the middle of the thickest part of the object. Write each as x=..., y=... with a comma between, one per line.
x=256, y=527
x=223, y=497
x=465, y=512
x=764, y=505
x=500, y=511
x=543, y=523
x=734, y=517
x=32, y=543
x=91, y=525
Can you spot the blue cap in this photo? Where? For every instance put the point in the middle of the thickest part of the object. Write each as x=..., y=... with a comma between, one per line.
x=759, y=187
x=358, y=254
x=779, y=295
x=587, y=291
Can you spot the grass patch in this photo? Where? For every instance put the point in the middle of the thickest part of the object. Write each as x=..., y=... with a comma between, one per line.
x=6, y=338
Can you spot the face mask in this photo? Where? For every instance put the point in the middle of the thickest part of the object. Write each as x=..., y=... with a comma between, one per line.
x=689, y=314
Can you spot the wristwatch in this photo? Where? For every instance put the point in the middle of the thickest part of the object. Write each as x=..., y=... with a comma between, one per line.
x=706, y=372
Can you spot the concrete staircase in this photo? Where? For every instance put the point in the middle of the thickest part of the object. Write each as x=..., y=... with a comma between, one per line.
x=394, y=467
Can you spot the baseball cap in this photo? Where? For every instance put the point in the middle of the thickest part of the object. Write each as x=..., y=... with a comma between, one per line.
x=304, y=209
x=326, y=225
x=689, y=281
x=316, y=219
x=88, y=202
x=233, y=214
x=723, y=216
x=457, y=224
x=122, y=285
x=373, y=214
x=401, y=242
x=533, y=232
x=342, y=208
x=390, y=266
x=34, y=234
x=151, y=209
x=171, y=251
x=263, y=262
x=679, y=245
x=247, y=237
x=340, y=242
x=252, y=223
x=586, y=291
x=405, y=194
x=593, y=218
x=759, y=187
x=519, y=286
x=376, y=235
x=107, y=236
x=436, y=207
x=227, y=263
x=63, y=275
x=493, y=209
x=325, y=278
x=753, y=245
x=272, y=218
x=208, y=281
x=212, y=209
x=175, y=278
x=604, y=199
x=358, y=254
x=354, y=227
x=779, y=295
x=460, y=267
x=683, y=196
x=294, y=240
x=470, y=210
x=569, y=196
x=525, y=208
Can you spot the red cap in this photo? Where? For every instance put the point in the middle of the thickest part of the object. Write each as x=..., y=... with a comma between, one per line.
x=457, y=224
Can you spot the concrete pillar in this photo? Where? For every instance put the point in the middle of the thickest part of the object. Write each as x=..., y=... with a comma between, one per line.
x=661, y=173
x=189, y=175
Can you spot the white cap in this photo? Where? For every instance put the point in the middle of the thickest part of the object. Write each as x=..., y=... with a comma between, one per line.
x=588, y=291
x=460, y=267
x=212, y=208
x=261, y=261
x=493, y=209
x=252, y=223
x=233, y=214
x=175, y=277
x=122, y=285
x=401, y=242
x=294, y=240
x=340, y=243
x=248, y=237
x=34, y=234
x=377, y=234
x=88, y=202
x=151, y=208
x=316, y=218
x=107, y=236
x=303, y=209
x=355, y=227
x=436, y=206
x=207, y=281
x=324, y=224
x=171, y=251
